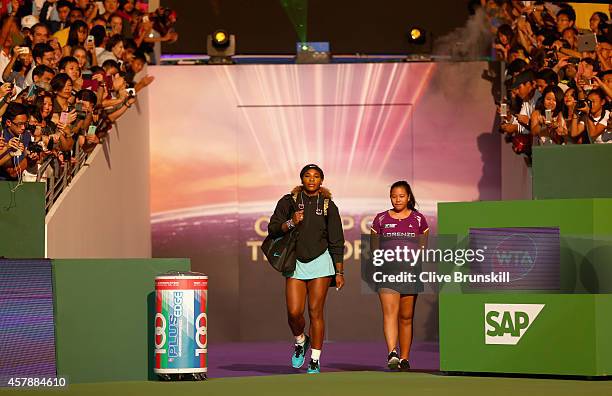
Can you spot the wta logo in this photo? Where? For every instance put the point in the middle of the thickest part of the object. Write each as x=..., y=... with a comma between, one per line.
x=515, y=254
x=506, y=324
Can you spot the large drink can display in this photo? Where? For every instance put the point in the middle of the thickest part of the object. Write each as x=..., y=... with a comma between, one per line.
x=181, y=325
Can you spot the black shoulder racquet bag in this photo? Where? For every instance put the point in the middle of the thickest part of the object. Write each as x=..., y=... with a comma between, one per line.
x=280, y=251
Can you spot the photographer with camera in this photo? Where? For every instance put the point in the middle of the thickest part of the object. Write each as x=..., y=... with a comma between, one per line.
x=41, y=144
x=596, y=117
x=525, y=88
x=41, y=113
x=517, y=126
x=16, y=158
x=7, y=90
x=604, y=81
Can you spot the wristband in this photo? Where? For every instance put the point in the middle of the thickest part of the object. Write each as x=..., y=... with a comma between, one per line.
x=340, y=273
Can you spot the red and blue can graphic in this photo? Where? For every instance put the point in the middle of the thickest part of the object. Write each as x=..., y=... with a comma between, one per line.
x=181, y=324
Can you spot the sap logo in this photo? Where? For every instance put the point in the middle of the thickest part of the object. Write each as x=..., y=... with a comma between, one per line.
x=506, y=324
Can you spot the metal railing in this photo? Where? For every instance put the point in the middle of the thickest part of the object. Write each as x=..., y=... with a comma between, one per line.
x=58, y=175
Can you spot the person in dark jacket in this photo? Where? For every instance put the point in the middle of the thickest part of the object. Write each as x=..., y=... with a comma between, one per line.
x=319, y=264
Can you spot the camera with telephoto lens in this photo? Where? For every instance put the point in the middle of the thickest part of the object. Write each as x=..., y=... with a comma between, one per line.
x=31, y=128
x=34, y=147
x=550, y=58
x=582, y=103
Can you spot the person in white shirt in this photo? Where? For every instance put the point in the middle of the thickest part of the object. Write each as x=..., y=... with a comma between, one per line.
x=548, y=125
x=5, y=54
x=99, y=34
x=525, y=86
x=596, y=122
x=114, y=49
x=43, y=54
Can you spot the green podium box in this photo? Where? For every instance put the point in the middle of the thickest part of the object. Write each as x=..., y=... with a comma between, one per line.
x=104, y=311
x=585, y=226
x=562, y=332
x=557, y=334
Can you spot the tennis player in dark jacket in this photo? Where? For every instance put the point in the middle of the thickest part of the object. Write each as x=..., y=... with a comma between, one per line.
x=320, y=256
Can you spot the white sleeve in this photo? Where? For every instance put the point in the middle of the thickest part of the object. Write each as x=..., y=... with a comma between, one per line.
x=521, y=128
x=604, y=120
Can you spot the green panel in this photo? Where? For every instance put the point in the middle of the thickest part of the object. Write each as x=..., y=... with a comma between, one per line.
x=603, y=317
x=575, y=171
x=602, y=212
x=22, y=218
x=103, y=317
x=561, y=340
x=571, y=335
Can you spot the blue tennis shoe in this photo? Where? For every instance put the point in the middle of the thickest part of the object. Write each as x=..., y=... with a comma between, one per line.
x=313, y=367
x=299, y=355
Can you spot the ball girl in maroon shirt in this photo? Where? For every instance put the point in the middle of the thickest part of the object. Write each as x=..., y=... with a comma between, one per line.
x=403, y=221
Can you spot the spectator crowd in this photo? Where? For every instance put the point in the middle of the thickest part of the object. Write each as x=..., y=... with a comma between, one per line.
x=69, y=70
x=558, y=77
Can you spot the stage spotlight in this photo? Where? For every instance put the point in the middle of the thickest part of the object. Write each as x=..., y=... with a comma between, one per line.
x=417, y=36
x=313, y=52
x=220, y=46
x=220, y=39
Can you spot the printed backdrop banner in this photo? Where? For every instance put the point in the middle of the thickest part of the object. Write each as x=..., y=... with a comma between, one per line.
x=226, y=149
